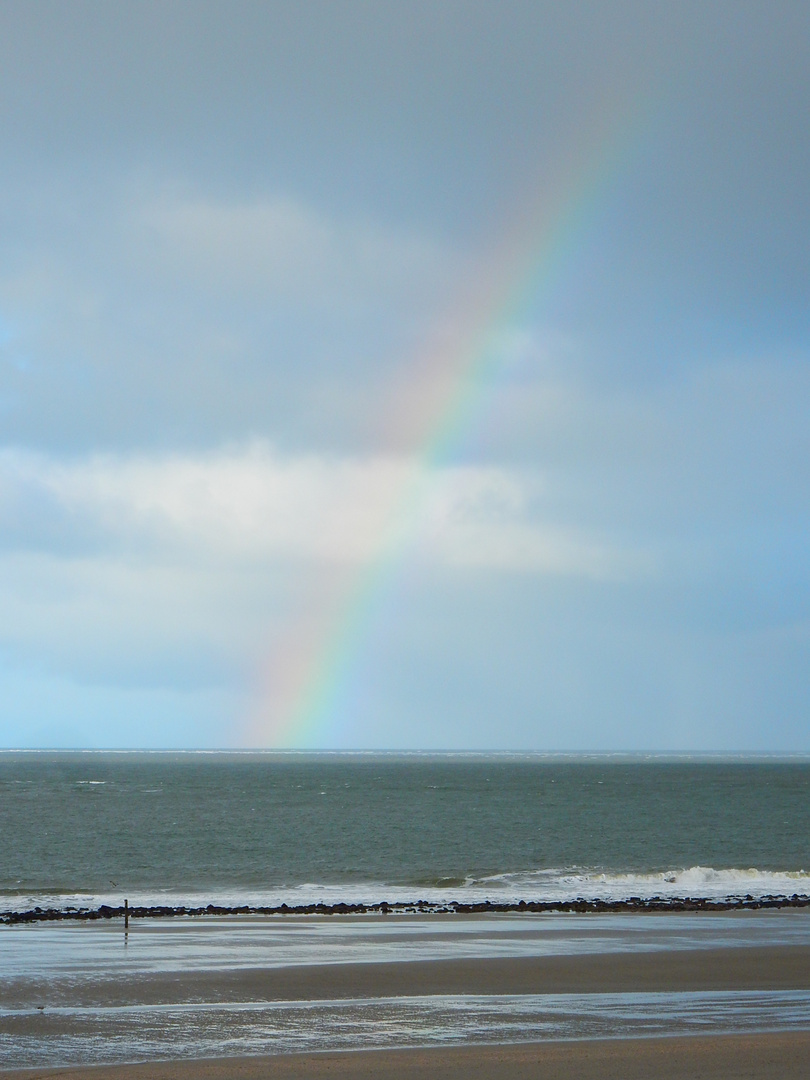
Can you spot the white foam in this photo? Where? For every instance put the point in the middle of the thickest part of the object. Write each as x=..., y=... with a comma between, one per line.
x=549, y=885
x=696, y=882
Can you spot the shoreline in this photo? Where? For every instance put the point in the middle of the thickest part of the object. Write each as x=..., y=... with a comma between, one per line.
x=631, y=905
x=751, y=1056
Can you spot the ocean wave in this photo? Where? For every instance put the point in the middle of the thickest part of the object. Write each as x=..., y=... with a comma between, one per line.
x=545, y=886
x=695, y=882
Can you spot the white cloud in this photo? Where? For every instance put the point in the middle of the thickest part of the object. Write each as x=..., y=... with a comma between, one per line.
x=185, y=571
x=250, y=503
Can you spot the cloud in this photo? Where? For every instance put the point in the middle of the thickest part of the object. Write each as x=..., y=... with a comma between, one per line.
x=136, y=311
x=280, y=249
x=132, y=581
x=251, y=503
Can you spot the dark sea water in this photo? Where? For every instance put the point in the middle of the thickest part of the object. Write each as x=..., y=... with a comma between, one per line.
x=80, y=828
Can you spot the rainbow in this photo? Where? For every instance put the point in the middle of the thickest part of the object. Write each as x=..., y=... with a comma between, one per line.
x=449, y=386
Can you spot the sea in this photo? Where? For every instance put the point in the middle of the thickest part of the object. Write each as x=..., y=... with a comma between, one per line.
x=82, y=829
x=176, y=833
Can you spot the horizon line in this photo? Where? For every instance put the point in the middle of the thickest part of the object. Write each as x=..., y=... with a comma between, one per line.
x=690, y=755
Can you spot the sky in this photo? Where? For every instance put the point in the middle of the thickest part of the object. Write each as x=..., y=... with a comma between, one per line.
x=426, y=375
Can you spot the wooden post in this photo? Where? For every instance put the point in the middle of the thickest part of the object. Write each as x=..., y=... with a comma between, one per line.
x=126, y=914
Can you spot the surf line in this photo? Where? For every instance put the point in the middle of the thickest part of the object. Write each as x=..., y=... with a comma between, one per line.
x=450, y=384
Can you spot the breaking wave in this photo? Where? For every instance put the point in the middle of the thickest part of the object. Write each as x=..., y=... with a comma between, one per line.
x=696, y=882
x=548, y=885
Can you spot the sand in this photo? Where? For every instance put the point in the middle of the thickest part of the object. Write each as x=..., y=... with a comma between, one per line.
x=780, y=1056
x=783, y=1056
x=746, y=968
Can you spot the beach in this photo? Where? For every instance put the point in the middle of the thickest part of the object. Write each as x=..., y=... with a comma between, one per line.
x=605, y=996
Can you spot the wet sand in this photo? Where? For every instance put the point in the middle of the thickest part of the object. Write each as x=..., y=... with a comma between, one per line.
x=749, y=968
x=782, y=1056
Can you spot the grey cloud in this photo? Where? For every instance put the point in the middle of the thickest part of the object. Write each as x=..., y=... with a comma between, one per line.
x=719, y=444
x=429, y=109
x=171, y=137
x=145, y=312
